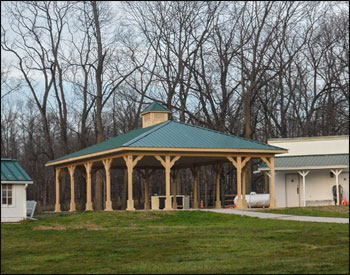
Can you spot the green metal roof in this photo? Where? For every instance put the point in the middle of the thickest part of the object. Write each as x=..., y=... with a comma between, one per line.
x=311, y=161
x=112, y=143
x=11, y=171
x=173, y=134
x=155, y=107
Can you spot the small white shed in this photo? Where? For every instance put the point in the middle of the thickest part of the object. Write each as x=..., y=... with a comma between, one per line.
x=305, y=176
x=14, y=182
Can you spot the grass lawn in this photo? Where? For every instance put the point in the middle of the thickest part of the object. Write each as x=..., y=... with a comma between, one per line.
x=172, y=242
x=338, y=211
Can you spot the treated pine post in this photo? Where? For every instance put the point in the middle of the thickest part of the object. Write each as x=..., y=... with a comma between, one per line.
x=107, y=164
x=130, y=203
x=146, y=175
x=217, y=169
x=147, y=179
x=272, y=187
x=271, y=164
x=88, y=167
x=239, y=182
x=244, y=201
x=195, y=174
x=167, y=184
x=167, y=164
x=174, y=185
x=58, y=205
x=71, y=170
x=130, y=163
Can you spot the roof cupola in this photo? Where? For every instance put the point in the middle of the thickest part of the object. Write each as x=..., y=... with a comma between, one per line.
x=155, y=113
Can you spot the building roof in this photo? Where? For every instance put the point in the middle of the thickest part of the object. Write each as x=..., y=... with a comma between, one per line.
x=12, y=172
x=302, y=139
x=155, y=107
x=309, y=162
x=172, y=134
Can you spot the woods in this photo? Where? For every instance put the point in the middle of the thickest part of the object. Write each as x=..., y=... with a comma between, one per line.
x=74, y=74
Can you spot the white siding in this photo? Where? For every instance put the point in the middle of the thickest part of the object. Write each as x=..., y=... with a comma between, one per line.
x=280, y=189
x=317, y=146
x=318, y=187
x=16, y=211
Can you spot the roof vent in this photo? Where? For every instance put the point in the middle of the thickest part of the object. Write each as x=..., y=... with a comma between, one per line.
x=155, y=113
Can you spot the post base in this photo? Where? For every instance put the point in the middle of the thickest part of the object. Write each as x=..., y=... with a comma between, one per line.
x=130, y=205
x=272, y=203
x=244, y=203
x=218, y=204
x=72, y=207
x=88, y=206
x=168, y=205
x=57, y=208
x=108, y=206
x=239, y=204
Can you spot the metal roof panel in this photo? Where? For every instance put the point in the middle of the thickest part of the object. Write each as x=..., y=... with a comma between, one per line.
x=12, y=171
x=156, y=107
x=173, y=134
x=332, y=160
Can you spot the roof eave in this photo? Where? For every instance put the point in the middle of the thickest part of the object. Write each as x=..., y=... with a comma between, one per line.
x=164, y=149
x=16, y=182
x=155, y=112
x=305, y=168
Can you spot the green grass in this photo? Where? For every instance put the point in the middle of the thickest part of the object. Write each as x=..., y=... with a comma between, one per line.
x=338, y=211
x=172, y=242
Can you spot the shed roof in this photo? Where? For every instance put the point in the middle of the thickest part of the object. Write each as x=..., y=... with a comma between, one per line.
x=155, y=107
x=173, y=134
x=309, y=162
x=12, y=172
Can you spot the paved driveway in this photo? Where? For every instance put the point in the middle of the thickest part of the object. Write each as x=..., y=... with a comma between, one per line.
x=278, y=216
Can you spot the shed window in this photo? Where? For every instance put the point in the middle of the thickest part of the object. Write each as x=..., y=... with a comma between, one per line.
x=7, y=194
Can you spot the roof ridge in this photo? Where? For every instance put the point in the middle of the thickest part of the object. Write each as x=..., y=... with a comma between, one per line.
x=135, y=139
x=215, y=131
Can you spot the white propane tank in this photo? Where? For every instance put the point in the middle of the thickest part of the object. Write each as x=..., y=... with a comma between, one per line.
x=255, y=200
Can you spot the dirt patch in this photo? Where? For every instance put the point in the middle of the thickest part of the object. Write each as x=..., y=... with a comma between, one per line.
x=87, y=226
x=52, y=227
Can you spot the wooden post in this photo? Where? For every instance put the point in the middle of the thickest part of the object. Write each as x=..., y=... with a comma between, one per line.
x=239, y=164
x=217, y=169
x=130, y=164
x=272, y=187
x=71, y=170
x=239, y=183
x=88, y=167
x=58, y=205
x=167, y=164
x=146, y=175
x=147, y=192
x=174, y=185
x=107, y=164
x=195, y=174
x=244, y=201
x=271, y=164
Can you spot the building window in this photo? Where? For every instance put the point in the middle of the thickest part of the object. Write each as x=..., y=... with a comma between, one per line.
x=7, y=194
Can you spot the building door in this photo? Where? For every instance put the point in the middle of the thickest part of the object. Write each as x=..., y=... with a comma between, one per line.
x=292, y=190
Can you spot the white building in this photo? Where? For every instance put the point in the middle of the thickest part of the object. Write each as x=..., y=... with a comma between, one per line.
x=306, y=174
x=14, y=181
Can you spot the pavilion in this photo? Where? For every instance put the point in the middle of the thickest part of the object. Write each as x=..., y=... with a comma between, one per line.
x=168, y=144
